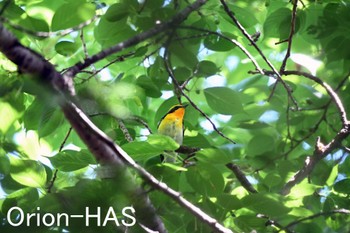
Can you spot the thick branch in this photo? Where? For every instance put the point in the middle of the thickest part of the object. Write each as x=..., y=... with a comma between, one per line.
x=99, y=144
x=104, y=149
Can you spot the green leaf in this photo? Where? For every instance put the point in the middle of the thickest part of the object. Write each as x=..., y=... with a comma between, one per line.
x=249, y=222
x=244, y=15
x=8, y=116
x=272, y=179
x=141, y=51
x=182, y=73
x=321, y=173
x=72, y=14
x=213, y=156
x=70, y=160
x=66, y=48
x=200, y=140
x=157, y=72
x=332, y=176
x=117, y=12
x=4, y=165
x=223, y=100
x=229, y=202
x=268, y=204
x=217, y=43
x=276, y=21
x=183, y=55
x=342, y=186
x=32, y=115
x=148, y=86
x=207, y=68
x=255, y=147
x=303, y=189
x=205, y=179
x=162, y=141
x=50, y=120
x=28, y=172
x=25, y=198
x=141, y=150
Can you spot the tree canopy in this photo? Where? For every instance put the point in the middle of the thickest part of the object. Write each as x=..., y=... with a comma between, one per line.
x=84, y=83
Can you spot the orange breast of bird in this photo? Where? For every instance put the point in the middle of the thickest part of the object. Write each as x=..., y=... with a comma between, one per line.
x=172, y=125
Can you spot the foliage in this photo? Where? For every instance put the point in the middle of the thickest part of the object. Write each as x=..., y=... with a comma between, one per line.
x=275, y=126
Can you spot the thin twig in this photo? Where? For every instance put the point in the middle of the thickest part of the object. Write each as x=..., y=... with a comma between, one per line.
x=251, y=40
x=271, y=222
x=65, y=139
x=334, y=96
x=54, y=177
x=49, y=34
x=321, y=150
x=125, y=131
x=235, y=42
x=142, y=122
x=336, y=211
x=161, y=28
x=289, y=134
x=83, y=42
x=56, y=170
x=95, y=72
x=291, y=34
x=132, y=118
x=314, y=129
x=241, y=177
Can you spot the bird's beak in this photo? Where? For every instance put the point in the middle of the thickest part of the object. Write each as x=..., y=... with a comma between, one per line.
x=185, y=105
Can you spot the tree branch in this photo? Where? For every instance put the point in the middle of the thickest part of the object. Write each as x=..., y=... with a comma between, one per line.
x=102, y=147
x=252, y=42
x=175, y=21
x=336, y=211
x=290, y=38
x=235, y=42
x=329, y=90
x=241, y=177
x=321, y=150
x=54, y=177
x=49, y=34
x=105, y=151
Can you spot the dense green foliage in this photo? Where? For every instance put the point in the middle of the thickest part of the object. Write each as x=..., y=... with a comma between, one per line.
x=275, y=128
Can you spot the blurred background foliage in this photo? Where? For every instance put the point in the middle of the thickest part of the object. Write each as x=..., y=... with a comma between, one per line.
x=133, y=88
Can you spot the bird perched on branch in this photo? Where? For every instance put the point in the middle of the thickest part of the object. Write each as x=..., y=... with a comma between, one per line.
x=172, y=125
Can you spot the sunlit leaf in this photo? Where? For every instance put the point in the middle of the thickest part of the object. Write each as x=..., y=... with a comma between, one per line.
x=223, y=100
x=72, y=14
x=7, y=115
x=270, y=205
x=28, y=172
x=142, y=150
x=70, y=160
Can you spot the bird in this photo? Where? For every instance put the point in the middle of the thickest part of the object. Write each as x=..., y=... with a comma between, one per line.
x=172, y=125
